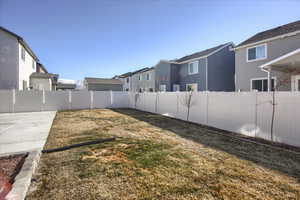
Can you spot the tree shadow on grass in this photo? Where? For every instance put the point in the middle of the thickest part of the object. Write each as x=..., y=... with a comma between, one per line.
x=272, y=158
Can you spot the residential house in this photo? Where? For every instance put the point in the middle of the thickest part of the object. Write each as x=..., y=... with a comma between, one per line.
x=269, y=59
x=143, y=80
x=208, y=70
x=103, y=84
x=126, y=80
x=18, y=64
x=42, y=80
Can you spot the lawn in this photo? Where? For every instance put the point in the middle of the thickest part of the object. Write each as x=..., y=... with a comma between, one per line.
x=156, y=157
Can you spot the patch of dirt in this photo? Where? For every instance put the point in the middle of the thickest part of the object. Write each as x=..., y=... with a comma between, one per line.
x=9, y=168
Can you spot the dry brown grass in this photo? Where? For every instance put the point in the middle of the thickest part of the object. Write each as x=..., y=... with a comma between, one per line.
x=158, y=158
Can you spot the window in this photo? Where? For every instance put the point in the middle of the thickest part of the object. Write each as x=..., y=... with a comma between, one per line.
x=262, y=84
x=140, y=77
x=257, y=53
x=148, y=77
x=33, y=64
x=193, y=67
x=23, y=53
x=162, y=88
x=176, y=88
x=192, y=87
x=127, y=80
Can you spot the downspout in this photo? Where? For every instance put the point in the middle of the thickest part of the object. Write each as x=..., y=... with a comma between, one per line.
x=206, y=74
x=269, y=78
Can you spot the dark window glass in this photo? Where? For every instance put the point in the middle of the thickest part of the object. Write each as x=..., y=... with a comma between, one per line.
x=257, y=85
x=252, y=54
x=265, y=85
x=298, y=84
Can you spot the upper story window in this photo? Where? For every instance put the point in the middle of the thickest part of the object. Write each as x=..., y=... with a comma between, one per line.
x=33, y=64
x=140, y=77
x=127, y=80
x=193, y=67
x=23, y=53
x=148, y=77
x=257, y=53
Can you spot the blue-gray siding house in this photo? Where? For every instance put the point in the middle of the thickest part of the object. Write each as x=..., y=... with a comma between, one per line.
x=209, y=70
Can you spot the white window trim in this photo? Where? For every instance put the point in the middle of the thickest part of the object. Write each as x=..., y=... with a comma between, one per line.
x=140, y=77
x=263, y=78
x=266, y=54
x=23, y=50
x=191, y=84
x=149, y=77
x=160, y=87
x=177, y=86
x=197, y=67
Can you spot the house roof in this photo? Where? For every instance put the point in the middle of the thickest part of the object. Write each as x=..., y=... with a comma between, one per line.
x=102, y=81
x=125, y=75
x=200, y=53
x=22, y=41
x=53, y=77
x=42, y=66
x=140, y=70
x=280, y=30
x=65, y=86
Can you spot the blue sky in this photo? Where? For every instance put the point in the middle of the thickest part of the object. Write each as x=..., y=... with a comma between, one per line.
x=102, y=38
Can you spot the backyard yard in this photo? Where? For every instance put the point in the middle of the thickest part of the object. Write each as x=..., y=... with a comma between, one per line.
x=156, y=157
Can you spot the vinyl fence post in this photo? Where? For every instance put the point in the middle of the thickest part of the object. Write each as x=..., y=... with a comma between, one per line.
x=177, y=103
x=111, y=99
x=70, y=100
x=13, y=100
x=207, y=104
x=92, y=99
x=43, y=100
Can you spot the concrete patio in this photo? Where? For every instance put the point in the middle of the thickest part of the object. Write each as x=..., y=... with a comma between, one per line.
x=24, y=132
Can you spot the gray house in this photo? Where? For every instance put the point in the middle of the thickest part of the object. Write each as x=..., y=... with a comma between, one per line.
x=102, y=84
x=269, y=59
x=208, y=70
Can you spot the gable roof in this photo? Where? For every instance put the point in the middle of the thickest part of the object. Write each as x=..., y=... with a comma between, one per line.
x=280, y=30
x=140, y=70
x=199, y=54
x=22, y=41
x=125, y=75
x=91, y=80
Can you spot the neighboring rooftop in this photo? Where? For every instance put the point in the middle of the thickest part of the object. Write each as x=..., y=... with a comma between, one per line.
x=65, y=86
x=22, y=41
x=43, y=75
x=200, y=53
x=140, y=70
x=102, y=81
x=280, y=30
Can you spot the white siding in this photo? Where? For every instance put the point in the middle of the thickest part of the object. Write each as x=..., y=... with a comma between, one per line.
x=25, y=68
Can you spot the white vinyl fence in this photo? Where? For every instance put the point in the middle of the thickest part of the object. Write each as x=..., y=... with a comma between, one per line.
x=32, y=101
x=248, y=113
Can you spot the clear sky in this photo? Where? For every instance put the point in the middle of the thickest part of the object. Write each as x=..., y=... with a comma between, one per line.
x=102, y=38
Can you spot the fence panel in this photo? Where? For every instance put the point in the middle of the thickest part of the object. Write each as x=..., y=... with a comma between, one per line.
x=6, y=101
x=286, y=121
x=120, y=100
x=232, y=111
x=56, y=100
x=81, y=100
x=167, y=104
x=101, y=99
x=198, y=109
x=264, y=115
x=150, y=102
x=28, y=101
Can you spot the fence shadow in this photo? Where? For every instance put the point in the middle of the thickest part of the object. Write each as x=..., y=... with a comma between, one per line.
x=275, y=159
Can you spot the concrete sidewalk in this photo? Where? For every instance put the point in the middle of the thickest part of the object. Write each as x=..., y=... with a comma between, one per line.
x=21, y=132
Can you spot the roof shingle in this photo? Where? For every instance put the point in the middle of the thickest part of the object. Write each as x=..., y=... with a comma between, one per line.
x=280, y=30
